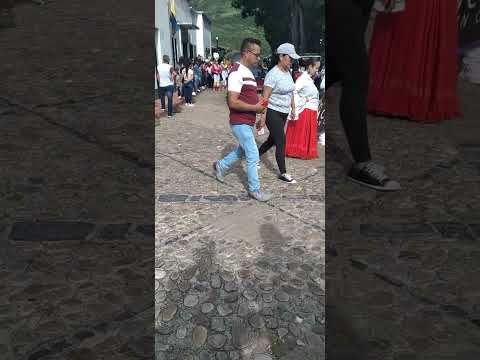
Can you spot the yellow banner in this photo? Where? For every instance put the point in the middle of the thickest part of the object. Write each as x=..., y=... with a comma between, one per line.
x=173, y=9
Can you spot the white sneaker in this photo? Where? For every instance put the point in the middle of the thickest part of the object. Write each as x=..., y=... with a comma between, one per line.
x=194, y=94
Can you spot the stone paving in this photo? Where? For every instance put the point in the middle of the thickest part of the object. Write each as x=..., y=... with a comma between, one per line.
x=234, y=279
x=402, y=279
x=77, y=199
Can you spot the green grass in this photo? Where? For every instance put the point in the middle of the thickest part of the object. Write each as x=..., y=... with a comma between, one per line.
x=229, y=26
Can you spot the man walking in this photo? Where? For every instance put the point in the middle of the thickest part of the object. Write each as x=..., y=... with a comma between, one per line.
x=347, y=62
x=244, y=104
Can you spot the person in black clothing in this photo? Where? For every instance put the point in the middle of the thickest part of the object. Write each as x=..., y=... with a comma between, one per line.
x=347, y=62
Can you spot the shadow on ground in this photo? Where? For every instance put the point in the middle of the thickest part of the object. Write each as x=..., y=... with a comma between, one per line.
x=266, y=307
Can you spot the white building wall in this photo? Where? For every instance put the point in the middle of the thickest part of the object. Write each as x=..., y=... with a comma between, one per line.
x=163, y=42
x=162, y=25
x=207, y=37
x=199, y=36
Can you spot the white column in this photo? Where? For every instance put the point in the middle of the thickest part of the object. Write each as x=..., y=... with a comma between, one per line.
x=179, y=43
x=199, y=33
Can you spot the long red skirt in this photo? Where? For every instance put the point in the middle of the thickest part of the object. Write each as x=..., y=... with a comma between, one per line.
x=413, y=62
x=301, y=136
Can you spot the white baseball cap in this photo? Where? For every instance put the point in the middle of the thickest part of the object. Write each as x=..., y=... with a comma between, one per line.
x=288, y=49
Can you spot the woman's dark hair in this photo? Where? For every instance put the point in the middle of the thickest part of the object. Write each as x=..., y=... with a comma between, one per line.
x=310, y=62
x=275, y=60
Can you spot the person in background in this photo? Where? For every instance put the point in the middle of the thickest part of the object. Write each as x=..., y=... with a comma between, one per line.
x=198, y=76
x=322, y=128
x=188, y=84
x=224, y=76
x=216, y=72
x=301, y=134
x=179, y=82
x=203, y=69
x=278, y=90
x=209, y=75
x=296, y=69
x=165, y=74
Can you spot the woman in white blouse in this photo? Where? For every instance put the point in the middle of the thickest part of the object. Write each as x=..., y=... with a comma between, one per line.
x=301, y=136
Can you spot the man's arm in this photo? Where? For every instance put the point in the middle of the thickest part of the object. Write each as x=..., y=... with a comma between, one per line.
x=236, y=104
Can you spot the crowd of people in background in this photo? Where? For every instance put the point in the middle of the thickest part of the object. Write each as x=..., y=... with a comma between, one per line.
x=189, y=78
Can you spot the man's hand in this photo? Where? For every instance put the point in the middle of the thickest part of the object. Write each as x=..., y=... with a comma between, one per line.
x=235, y=103
x=259, y=108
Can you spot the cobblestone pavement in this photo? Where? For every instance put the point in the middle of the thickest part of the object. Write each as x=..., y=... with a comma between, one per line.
x=76, y=219
x=234, y=279
x=402, y=268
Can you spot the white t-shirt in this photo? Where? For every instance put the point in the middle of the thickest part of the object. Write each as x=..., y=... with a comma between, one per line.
x=242, y=81
x=165, y=75
x=190, y=75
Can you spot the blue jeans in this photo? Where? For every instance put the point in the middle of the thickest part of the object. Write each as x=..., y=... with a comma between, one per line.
x=248, y=149
x=197, y=83
x=167, y=90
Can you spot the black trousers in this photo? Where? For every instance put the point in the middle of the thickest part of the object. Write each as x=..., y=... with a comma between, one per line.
x=276, y=126
x=347, y=62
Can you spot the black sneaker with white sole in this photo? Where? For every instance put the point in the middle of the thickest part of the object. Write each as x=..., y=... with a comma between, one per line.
x=373, y=176
x=287, y=178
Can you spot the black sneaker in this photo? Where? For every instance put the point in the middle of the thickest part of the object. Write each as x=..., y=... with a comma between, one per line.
x=373, y=176
x=287, y=178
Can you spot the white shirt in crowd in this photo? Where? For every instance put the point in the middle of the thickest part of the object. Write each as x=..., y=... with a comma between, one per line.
x=164, y=72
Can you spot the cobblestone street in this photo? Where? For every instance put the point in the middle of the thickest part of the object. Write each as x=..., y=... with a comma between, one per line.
x=234, y=278
x=409, y=258
x=76, y=220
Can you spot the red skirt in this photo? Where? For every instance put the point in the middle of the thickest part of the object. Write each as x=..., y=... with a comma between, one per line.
x=301, y=136
x=413, y=62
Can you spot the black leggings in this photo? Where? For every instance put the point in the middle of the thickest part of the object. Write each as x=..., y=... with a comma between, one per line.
x=347, y=62
x=276, y=126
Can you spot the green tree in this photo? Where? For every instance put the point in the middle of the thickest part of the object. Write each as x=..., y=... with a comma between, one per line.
x=300, y=22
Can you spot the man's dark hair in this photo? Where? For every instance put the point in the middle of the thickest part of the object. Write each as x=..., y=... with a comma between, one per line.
x=166, y=59
x=247, y=44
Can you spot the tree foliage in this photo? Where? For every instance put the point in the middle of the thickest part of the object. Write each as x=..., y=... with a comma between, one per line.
x=300, y=22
